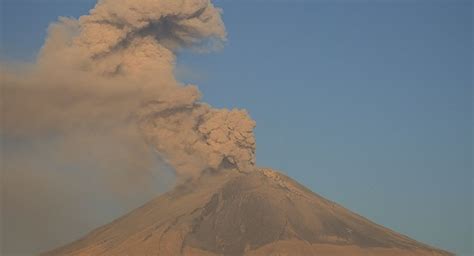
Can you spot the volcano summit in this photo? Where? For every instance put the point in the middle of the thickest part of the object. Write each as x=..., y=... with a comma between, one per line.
x=261, y=212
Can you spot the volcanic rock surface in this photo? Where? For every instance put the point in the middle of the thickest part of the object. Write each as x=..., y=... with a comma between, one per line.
x=234, y=213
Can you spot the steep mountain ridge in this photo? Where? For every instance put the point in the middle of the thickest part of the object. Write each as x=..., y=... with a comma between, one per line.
x=234, y=213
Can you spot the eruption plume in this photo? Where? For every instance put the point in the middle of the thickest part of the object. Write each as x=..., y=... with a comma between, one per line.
x=117, y=64
x=101, y=102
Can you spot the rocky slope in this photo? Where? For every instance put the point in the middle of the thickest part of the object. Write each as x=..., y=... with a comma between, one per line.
x=233, y=213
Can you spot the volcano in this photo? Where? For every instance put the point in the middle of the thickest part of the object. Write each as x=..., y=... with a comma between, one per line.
x=262, y=212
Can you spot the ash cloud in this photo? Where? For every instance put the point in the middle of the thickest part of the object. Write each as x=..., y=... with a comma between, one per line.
x=102, y=98
x=114, y=68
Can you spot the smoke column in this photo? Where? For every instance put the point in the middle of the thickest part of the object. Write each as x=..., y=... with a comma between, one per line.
x=101, y=107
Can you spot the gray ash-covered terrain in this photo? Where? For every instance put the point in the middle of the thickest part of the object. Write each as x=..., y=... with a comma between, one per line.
x=234, y=213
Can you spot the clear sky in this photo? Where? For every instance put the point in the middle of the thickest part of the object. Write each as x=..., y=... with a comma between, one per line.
x=368, y=103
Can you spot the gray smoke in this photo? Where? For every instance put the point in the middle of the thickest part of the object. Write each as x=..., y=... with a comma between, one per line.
x=101, y=108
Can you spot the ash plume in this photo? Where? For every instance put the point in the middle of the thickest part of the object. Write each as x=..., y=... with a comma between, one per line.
x=102, y=98
x=115, y=67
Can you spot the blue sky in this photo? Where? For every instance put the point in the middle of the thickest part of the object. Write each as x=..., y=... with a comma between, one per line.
x=368, y=103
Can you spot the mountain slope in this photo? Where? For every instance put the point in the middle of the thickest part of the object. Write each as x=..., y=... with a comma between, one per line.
x=233, y=213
